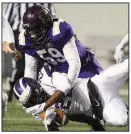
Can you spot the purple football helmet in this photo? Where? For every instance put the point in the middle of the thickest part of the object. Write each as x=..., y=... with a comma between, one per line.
x=37, y=21
x=29, y=92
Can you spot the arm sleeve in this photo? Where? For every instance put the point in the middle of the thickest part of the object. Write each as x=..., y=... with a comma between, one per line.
x=7, y=32
x=124, y=42
x=30, y=67
x=72, y=56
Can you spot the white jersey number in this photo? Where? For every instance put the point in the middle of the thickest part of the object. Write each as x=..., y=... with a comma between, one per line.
x=53, y=57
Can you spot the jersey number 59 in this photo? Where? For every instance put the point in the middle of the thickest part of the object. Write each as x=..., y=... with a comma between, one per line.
x=52, y=56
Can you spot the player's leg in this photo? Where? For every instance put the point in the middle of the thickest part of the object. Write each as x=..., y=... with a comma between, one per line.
x=18, y=68
x=97, y=105
x=85, y=118
x=118, y=73
x=17, y=73
x=109, y=83
x=115, y=112
x=111, y=80
x=81, y=110
x=4, y=103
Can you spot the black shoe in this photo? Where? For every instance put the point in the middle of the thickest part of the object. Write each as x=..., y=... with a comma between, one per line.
x=98, y=125
x=97, y=107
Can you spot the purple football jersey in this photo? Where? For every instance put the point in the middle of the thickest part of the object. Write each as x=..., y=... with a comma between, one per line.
x=58, y=36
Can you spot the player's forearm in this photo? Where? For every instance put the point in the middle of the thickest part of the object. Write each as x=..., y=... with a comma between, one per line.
x=54, y=98
x=124, y=42
x=73, y=59
x=74, y=66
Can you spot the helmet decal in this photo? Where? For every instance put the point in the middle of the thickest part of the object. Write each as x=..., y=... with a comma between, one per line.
x=29, y=92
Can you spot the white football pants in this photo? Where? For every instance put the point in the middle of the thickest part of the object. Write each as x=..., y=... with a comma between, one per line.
x=109, y=83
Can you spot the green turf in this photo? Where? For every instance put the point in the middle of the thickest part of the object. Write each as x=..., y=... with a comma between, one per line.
x=17, y=120
x=126, y=86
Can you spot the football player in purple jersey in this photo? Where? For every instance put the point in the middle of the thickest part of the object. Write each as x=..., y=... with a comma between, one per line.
x=52, y=41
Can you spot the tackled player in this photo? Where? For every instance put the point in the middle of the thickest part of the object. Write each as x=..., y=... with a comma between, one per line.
x=100, y=93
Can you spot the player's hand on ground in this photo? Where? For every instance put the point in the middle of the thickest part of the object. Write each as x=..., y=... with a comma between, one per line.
x=119, y=54
x=53, y=119
x=48, y=116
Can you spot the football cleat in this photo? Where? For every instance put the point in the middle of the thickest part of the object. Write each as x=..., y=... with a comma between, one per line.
x=97, y=107
x=97, y=125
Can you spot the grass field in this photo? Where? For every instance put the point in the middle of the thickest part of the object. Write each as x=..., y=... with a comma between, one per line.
x=17, y=120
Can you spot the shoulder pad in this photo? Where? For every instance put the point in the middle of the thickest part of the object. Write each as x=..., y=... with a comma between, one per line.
x=56, y=27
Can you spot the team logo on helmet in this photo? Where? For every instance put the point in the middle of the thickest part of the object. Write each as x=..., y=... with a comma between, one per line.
x=29, y=92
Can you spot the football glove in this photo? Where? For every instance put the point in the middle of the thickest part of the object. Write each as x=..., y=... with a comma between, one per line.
x=119, y=54
x=47, y=117
x=54, y=116
x=53, y=119
x=36, y=110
